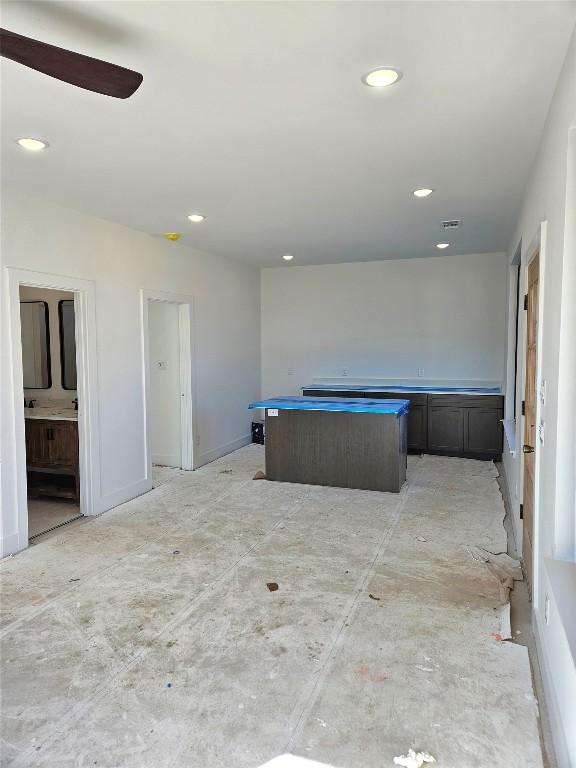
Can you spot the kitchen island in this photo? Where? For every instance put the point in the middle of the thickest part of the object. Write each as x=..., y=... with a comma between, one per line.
x=338, y=441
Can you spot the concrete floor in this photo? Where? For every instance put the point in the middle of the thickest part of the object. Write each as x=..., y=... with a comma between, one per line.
x=149, y=637
x=45, y=514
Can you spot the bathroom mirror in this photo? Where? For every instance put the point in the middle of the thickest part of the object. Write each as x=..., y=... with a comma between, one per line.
x=34, y=321
x=67, y=343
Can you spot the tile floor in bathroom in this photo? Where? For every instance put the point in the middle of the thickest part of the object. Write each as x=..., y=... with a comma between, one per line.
x=45, y=513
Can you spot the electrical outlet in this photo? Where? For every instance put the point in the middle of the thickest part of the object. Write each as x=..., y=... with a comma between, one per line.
x=345, y=372
x=543, y=392
x=541, y=433
x=420, y=372
x=290, y=371
x=162, y=365
x=547, y=609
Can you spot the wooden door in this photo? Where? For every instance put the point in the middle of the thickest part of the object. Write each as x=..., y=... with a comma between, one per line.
x=530, y=416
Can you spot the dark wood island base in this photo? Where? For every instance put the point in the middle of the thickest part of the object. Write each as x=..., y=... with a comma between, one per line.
x=340, y=448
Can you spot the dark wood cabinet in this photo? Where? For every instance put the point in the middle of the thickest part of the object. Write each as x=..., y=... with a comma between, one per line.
x=469, y=426
x=417, y=428
x=340, y=449
x=445, y=429
x=446, y=424
x=482, y=430
x=52, y=450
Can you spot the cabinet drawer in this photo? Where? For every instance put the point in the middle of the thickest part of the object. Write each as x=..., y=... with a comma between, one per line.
x=415, y=398
x=337, y=393
x=467, y=401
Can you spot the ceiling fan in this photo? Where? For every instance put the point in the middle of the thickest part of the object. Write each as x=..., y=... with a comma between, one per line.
x=70, y=67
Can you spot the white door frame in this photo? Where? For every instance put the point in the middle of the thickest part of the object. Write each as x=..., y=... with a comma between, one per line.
x=187, y=371
x=87, y=388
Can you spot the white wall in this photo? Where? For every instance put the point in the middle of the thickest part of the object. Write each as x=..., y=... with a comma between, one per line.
x=551, y=197
x=386, y=319
x=164, y=383
x=51, y=297
x=37, y=235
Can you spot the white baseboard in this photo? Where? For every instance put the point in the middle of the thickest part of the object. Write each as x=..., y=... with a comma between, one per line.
x=222, y=450
x=9, y=545
x=563, y=757
x=123, y=495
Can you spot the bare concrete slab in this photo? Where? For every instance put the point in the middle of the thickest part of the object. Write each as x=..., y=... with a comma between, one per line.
x=148, y=637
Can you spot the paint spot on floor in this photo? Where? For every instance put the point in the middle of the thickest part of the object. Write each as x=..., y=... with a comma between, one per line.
x=369, y=673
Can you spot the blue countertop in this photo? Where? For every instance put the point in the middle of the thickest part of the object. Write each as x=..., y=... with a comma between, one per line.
x=400, y=389
x=350, y=404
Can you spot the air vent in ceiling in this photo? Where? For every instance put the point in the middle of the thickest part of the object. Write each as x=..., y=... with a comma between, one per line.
x=453, y=224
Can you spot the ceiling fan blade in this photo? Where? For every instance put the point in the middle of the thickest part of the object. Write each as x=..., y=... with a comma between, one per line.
x=75, y=68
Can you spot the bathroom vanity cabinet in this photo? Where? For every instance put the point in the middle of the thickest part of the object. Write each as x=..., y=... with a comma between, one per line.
x=51, y=453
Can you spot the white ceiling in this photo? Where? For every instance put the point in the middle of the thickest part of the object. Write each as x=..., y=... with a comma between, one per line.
x=254, y=114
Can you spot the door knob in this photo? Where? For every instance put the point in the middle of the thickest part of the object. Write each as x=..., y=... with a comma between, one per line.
x=527, y=449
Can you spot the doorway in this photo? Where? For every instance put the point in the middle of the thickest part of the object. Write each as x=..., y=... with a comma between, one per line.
x=165, y=418
x=530, y=416
x=167, y=346
x=49, y=368
x=88, y=425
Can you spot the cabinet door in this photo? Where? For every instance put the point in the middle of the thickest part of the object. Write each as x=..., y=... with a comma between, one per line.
x=445, y=429
x=62, y=439
x=417, y=427
x=483, y=430
x=37, y=448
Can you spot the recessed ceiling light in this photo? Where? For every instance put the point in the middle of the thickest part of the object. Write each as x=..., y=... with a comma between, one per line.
x=32, y=145
x=287, y=257
x=424, y=192
x=442, y=245
x=196, y=218
x=381, y=77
